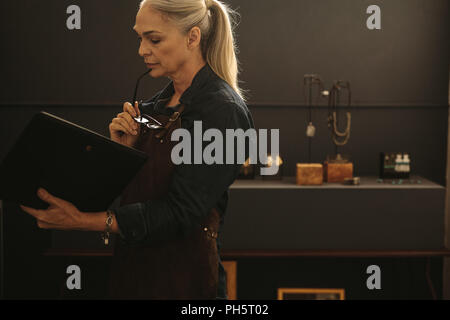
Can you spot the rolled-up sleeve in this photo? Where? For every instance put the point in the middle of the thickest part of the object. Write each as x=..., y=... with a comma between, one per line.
x=193, y=191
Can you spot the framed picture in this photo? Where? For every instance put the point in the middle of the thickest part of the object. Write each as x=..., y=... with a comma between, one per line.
x=231, y=269
x=310, y=294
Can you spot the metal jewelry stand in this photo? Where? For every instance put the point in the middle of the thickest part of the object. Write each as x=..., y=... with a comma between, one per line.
x=333, y=103
x=338, y=167
x=309, y=80
x=311, y=173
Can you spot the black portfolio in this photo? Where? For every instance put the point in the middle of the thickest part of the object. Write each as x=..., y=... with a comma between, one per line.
x=70, y=162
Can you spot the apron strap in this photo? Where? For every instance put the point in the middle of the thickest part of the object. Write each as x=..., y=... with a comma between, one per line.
x=174, y=117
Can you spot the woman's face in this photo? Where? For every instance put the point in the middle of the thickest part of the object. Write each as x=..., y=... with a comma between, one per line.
x=163, y=47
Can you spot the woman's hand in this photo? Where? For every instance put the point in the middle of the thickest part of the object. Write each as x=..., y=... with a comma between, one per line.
x=61, y=215
x=123, y=129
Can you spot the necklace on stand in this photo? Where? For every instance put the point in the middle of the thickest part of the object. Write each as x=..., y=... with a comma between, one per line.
x=337, y=167
x=333, y=103
x=309, y=80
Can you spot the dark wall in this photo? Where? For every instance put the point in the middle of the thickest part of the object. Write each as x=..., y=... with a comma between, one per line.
x=404, y=63
x=44, y=62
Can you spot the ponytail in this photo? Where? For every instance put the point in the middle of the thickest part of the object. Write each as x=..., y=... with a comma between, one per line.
x=220, y=50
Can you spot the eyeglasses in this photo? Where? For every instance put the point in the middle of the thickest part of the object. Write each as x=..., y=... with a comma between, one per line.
x=145, y=119
x=149, y=121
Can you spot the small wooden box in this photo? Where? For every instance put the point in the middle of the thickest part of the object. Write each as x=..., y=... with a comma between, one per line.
x=309, y=174
x=337, y=172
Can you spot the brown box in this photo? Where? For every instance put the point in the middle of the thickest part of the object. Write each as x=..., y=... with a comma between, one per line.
x=309, y=174
x=337, y=172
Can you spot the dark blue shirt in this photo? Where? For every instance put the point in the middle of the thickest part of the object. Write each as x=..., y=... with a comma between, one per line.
x=195, y=188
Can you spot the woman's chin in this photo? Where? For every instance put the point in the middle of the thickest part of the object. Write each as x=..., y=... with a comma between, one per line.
x=155, y=73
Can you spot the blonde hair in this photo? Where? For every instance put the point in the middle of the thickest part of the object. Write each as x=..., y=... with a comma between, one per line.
x=216, y=23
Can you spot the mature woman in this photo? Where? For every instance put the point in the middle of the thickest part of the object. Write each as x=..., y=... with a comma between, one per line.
x=169, y=215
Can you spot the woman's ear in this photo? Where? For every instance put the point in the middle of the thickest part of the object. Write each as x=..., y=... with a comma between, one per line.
x=194, y=37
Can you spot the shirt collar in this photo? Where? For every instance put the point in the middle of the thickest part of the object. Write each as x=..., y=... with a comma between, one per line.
x=200, y=80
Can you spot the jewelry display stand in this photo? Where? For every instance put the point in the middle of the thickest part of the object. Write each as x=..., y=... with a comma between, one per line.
x=311, y=173
x=338, y=167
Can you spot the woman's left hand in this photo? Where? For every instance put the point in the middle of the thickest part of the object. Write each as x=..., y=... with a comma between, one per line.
x=60, y=215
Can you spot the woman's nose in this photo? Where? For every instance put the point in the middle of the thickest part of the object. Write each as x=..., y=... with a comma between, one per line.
x=144, y=50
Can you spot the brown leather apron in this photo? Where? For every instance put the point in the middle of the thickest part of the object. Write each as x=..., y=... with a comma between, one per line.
x=180, y=268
